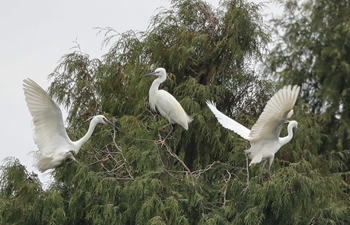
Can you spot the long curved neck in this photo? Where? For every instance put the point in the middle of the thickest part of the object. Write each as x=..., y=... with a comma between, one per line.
x=156, y=83
x=289, y=137
x=86, y=137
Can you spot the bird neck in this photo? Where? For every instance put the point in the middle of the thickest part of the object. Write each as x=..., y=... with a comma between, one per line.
x=86, y=137
x=289, y=137
x=156, y=83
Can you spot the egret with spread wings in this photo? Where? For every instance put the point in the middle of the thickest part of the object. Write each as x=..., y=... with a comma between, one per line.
x=264, y=135
x=49, y=133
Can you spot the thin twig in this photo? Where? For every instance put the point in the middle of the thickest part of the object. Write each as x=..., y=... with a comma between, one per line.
x=122, y=155
x=177, y=158
x=210, y=166
x=225, y=187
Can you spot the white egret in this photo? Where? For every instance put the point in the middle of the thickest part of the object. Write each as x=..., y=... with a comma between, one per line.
x=165, y=103
x=49, y=133
x=264, y=135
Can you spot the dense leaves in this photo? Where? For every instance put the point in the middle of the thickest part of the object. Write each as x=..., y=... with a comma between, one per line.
x=313, y=50
x=199, y=176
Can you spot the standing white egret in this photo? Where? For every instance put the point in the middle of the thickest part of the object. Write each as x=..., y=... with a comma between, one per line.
x=49, y=133
x=165, y=103
x=264, y=135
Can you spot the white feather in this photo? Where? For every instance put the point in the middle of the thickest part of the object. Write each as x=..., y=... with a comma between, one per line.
x=165, y=103
x=264, y=135
x=49, y=133
x=229, y=123
x=275, y=114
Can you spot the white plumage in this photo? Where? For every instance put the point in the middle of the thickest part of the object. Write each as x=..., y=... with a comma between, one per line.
x=264, y=135
x=165, y=103
x=49, y=132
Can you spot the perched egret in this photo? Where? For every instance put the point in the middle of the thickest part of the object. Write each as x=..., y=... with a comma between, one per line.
x=165, y=103
x=49, y=133
x=264, y=135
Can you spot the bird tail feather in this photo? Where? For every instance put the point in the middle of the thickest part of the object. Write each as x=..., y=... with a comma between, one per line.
x=41, y=162
x=256, y=159
x=189, y=119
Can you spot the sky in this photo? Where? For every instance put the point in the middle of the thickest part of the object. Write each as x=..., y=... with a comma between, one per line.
x=36, y=34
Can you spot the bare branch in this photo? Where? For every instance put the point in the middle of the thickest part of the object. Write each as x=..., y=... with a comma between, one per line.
x=122, y=155
x=210, y=166
x=225, y=187
x=168, y=149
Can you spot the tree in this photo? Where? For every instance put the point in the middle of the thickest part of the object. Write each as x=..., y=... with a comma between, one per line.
x=199, y=176
x=313, y=51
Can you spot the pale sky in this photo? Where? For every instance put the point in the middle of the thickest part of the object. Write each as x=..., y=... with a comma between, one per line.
x=36, y=34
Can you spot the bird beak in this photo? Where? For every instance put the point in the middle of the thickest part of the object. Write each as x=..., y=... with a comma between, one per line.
x=298, y=129
x=111, y=124
x=150, y=74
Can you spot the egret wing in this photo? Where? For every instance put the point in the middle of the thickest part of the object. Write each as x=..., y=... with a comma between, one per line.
x=229, y=123
x=276, y=112
x=171, y=109
x=49, y=131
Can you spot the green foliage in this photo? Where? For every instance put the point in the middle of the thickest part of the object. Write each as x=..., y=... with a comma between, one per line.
x=23, y=200
x=198, y=176
x=313, y=51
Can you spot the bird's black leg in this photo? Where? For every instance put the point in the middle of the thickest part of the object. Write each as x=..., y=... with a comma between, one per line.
x=163, y=141
x=261, y=176
x=171, y=130
x=246, y=159
x=262, y=168
x=270, y=164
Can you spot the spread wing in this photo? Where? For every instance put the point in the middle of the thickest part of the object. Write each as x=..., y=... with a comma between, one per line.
x=49, y=131
x=276, y=112
x=229, y=123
